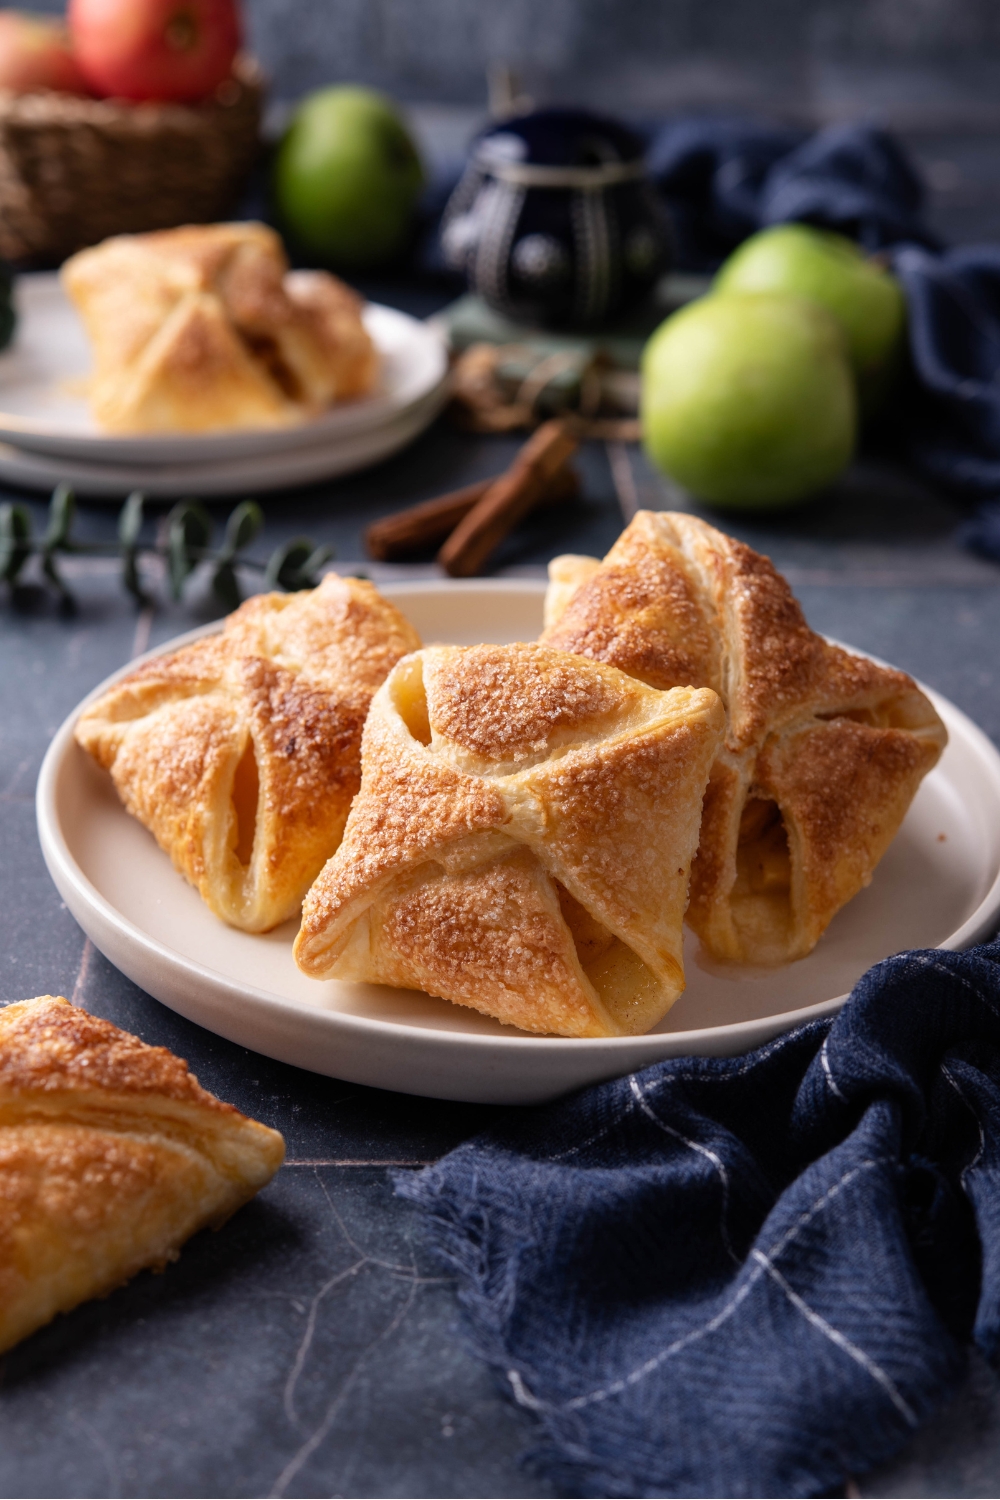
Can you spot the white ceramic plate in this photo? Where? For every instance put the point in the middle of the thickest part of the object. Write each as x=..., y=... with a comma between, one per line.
x=343, y=454
x=938, y=886
x=43, y=408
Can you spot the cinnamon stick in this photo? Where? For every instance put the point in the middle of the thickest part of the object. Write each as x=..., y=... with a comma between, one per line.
x=426, y=525
x=508, y=499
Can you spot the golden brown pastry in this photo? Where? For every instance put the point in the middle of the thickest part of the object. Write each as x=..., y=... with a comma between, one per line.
x=824, y=750
x=111, y=1156
x=241, y=753
x=205, y=327
x=522, y=840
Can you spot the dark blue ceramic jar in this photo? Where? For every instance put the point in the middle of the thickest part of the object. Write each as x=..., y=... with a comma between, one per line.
x=555, y=220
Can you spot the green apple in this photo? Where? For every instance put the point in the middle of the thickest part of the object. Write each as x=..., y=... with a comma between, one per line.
x=748, y=399
x=862, y=295
x=347, y=177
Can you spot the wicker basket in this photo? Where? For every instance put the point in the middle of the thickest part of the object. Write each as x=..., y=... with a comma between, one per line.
x=74, y=170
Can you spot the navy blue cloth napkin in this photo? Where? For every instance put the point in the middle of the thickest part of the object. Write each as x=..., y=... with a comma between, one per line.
x=949, y=423
x=747, y=1276
x=725, y=178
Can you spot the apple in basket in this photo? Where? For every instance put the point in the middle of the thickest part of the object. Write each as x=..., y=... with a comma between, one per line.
x=177, y=50
x=35, y=54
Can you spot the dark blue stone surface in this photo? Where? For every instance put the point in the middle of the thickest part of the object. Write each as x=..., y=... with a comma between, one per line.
x=310, y=1347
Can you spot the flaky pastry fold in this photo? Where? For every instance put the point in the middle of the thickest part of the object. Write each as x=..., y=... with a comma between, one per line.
x=205, y=327
x=241, y=753
x=111, y=1156
x=824, y=749
x=522, y=839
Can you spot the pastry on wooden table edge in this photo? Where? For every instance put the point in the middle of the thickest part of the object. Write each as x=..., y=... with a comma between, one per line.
x=111, y=1156
x=824, y=749
x=204, y=328
x=241, y=753
x=521, y=841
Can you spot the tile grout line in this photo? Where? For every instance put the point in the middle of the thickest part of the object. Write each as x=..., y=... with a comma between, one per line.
x=623, y=480
x=79, y=988
x=140, y=643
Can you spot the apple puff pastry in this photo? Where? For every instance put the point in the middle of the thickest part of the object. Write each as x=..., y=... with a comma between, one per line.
x=205, y=327
x=241, y=753
x=111, y=1156
x=522, y=840
x=824, y=750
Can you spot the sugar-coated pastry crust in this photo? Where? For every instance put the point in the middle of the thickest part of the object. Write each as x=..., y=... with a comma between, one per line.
x=241, y=753
x=824, y=750
x=204, y=327
x=111, y=1156
x=522, y=840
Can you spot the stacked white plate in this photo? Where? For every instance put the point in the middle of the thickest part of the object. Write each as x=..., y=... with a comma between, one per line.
x=47, y=434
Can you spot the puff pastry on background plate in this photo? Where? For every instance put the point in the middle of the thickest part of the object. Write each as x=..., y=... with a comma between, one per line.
x=241, y=753
x=522, y=840
x=204, y=327
x=111, y=1156
x=824, y=750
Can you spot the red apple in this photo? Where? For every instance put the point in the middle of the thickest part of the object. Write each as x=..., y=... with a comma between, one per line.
x=35, y=54
x=155, y=49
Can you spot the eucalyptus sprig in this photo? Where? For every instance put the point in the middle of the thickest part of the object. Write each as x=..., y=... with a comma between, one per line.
x=184, y=542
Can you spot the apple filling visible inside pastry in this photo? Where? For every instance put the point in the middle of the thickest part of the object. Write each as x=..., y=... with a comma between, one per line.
x=245, y=797
x=761, y=895
x=521, y=841
x=823, y=752
x=242, y=752
x=763, y=864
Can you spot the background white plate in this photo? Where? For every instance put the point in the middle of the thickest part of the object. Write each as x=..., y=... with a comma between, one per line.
x=43, y=408
x=938, y=886
x=342, y=454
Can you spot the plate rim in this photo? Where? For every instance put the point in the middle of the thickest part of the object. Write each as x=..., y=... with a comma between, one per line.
x=251, y=474
x=318, y=431
x=57, y=854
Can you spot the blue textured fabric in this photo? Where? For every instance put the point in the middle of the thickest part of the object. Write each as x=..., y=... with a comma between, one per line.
x=723, y=179
x=853, y=178
x=711, y=173
x=951, y=426
x=750, y=1276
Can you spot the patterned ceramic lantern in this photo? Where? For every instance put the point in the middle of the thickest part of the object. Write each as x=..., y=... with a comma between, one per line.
x=555, y=220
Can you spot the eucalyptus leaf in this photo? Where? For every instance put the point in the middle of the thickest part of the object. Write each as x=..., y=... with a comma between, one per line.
x=293, y=565
x=243, y=526
x=189, y=532
x=285, y=559
x=131, y=579
x=131, y=519
x=62, y=509
x=225, y=586
x=15, y=540
x=129, y=530
x=184, y=542
x=317, y=559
